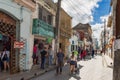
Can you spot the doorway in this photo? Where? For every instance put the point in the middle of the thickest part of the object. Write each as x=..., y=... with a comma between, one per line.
x=8, y=36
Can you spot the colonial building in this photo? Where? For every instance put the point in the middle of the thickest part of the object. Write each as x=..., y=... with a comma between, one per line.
x=74, y=41
x=15, y=27
x=110, y=37
x=43, y=21
x=44, y=25
x=65, y=31
x=85, y=33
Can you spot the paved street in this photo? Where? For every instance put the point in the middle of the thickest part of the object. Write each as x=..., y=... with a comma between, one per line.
x=90, y=70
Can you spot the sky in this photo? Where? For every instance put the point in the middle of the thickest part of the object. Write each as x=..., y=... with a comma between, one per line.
x=93, y=12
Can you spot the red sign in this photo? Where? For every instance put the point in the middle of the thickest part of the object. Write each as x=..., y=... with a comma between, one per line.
x=18, y=44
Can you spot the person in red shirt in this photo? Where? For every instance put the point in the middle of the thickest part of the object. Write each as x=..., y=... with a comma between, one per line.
x=34, y=54
x=84, y=54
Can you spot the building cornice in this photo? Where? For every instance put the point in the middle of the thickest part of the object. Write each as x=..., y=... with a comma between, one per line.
x=46, y=6
x=26, y=3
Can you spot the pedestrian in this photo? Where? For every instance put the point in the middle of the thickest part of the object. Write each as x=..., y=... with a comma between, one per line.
x=79, y=51
x=0, y=62
x=5, y=59
x=50, y=54
x=93, y=53
x=81, y=54
x=34, y=56
x=73, y=61
x=84, y=54
x=60, y=62
x=43, y=56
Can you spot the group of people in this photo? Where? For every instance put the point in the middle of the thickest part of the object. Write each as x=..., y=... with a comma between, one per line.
x=60, y=62
x=44, y=55
x=4, y=60
x=84, y=52
x=60, y=57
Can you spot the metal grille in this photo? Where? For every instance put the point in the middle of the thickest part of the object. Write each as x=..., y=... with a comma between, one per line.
x=8, y=28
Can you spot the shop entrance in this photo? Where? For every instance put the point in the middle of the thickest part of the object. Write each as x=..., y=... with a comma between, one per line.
x=7, y=37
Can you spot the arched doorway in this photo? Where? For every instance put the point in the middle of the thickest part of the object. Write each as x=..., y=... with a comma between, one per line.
x=8, y=30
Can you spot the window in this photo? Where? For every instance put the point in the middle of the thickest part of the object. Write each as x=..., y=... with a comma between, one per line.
x=72, y=42
x=72, y=47
x=44, y=18
x=40, y=13
x=33, y=1
x=50, y=19
x=60, y=45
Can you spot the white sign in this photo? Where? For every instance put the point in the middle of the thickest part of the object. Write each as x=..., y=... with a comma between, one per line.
x=117, y=44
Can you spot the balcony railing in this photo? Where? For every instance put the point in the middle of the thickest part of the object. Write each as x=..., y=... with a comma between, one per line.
x=42, y=28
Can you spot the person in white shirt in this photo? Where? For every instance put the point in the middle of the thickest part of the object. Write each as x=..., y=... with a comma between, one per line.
x=50, y=53
x=5, y=59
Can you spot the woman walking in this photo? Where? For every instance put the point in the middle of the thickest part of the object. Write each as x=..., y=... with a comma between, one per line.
x=5, y=59
x=73, y=61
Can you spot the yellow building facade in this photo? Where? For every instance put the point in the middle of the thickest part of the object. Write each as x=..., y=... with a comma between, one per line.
x=65, y=31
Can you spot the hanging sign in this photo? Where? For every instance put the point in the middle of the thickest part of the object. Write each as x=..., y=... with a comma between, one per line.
x=18, y=44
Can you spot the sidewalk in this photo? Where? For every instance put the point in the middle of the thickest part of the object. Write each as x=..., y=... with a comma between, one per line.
x=107, y=61
x=25, y=75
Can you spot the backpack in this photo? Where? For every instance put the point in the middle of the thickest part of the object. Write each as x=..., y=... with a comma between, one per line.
x=5, y=57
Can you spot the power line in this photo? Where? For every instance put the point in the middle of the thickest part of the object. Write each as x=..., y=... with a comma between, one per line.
x=75, y=16
x=75, y=10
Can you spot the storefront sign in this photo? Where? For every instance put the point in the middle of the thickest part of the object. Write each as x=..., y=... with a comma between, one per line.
x=42, y=28
x=18, y=44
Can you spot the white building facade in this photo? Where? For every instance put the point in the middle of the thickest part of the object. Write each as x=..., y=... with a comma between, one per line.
x=22, y=17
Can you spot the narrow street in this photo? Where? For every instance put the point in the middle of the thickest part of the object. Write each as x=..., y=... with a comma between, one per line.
x=89, y=70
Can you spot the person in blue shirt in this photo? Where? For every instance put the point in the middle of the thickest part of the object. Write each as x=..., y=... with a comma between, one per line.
x=60, y=62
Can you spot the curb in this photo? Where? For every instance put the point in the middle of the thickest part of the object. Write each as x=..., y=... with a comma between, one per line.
x=40, y=73
x=105, y=63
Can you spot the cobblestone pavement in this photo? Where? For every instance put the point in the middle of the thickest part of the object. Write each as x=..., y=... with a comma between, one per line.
x=89, y=70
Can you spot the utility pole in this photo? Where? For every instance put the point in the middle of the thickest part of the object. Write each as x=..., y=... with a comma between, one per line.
x=57, y=36
x=104, y=36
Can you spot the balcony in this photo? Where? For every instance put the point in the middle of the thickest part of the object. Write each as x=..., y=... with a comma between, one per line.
x=43, y=29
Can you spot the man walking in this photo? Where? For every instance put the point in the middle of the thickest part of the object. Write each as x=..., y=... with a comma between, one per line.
x=43, y=55
x=60, y=62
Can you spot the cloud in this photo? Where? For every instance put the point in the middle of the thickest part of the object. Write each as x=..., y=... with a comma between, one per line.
x=55, y=1
x=104, y=18
x=98, y=27
x=80, y=10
